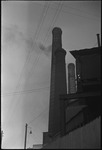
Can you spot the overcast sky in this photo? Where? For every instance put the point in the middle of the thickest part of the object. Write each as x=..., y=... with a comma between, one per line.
x=26, y=59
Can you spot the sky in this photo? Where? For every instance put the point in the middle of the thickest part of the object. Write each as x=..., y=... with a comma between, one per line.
x=26, y=39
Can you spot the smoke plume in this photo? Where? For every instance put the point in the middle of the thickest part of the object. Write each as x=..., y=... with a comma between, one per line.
x=46, y=50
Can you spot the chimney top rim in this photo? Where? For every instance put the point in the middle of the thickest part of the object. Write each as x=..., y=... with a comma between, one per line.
x=57, y=29
x=71, y=64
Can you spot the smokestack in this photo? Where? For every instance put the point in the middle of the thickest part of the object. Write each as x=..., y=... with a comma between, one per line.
x=71, y=78
x=58, y=81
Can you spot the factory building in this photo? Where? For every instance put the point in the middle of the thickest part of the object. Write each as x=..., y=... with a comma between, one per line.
x=72, y=113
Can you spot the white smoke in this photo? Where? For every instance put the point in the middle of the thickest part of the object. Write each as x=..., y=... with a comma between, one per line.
x=46, y=50
x=15, y=47
x=13, y=36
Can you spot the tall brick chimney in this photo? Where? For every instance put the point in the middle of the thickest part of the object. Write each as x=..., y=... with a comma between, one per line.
x=58, y=81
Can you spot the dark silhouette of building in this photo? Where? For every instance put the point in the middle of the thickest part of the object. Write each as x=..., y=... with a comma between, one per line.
x=88, y=69
x=81, y=106
x=85, y=103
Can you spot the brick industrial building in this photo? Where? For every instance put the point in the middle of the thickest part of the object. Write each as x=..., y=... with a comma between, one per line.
x=74, y=117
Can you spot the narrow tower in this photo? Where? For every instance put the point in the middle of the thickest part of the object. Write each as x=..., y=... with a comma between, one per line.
x=58, y=81
x=71, y=78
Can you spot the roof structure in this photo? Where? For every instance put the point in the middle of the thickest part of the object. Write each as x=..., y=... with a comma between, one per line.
x=82, y=52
